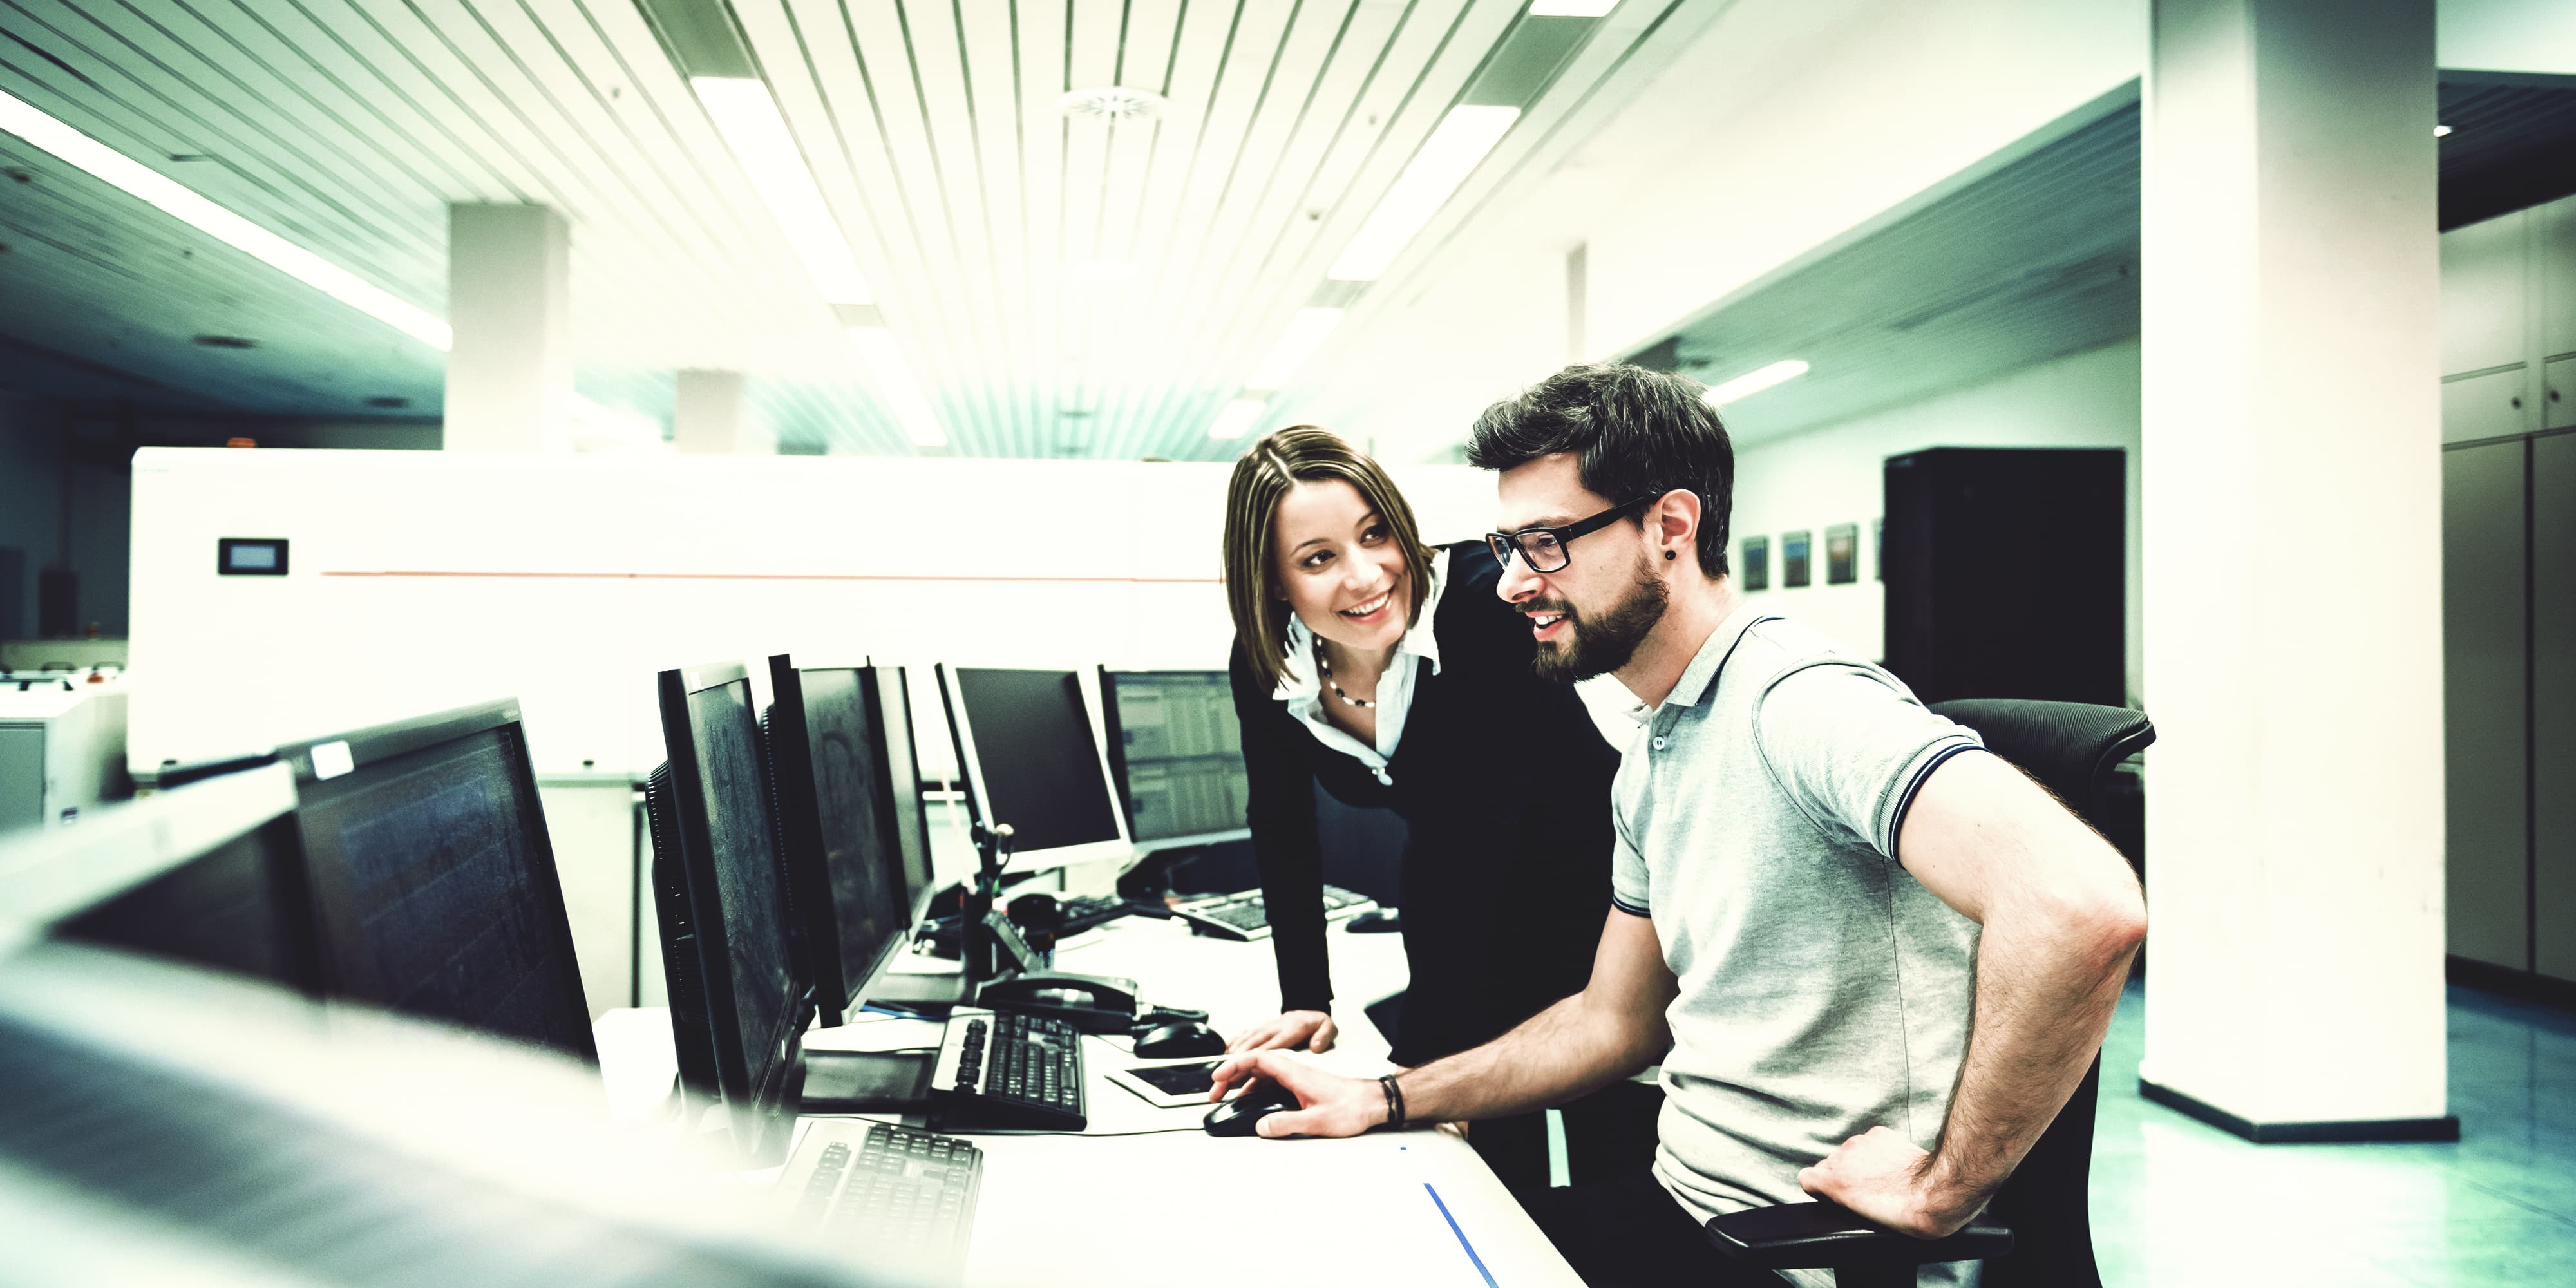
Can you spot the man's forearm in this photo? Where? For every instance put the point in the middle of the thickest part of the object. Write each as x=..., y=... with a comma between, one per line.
x=2046, y=987
x=1554, y=1056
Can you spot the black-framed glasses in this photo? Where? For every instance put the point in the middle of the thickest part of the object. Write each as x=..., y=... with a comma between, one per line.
x=1544, y=549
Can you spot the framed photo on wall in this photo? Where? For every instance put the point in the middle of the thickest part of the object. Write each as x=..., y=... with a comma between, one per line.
x=1755, y=566
x=1793, y=558
x=1842, y=554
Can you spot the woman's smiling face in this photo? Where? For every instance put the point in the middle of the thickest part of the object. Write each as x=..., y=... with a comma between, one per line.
x=1336, y=562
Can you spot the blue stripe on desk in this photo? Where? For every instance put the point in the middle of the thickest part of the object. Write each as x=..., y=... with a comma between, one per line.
x=1462, y=1237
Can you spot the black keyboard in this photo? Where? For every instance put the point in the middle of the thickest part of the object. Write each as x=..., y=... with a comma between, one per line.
x=900, y=1201
x=1084, y=912
x=998, y=1069
x=1243, y=916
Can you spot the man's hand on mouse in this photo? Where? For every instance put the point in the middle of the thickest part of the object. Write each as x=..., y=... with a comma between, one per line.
x=1329, y=1104
x=1313, y=1030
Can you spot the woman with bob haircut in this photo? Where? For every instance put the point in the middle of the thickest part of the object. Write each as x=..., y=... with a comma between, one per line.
x=1390, y=673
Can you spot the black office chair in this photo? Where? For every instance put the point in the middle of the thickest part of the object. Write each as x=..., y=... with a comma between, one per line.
x=2038, y=1230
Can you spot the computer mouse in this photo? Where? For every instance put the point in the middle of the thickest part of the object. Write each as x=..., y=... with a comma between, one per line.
x=1239, y=1116
x=1162, y=1015
x=1376, y=921
x=1178, y=1040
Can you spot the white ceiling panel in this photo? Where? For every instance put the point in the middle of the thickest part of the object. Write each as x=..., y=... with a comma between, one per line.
x=1061, y=285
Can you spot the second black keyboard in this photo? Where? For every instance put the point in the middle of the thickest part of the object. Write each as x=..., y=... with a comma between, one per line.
x=899, y=1200
x=998, y=1069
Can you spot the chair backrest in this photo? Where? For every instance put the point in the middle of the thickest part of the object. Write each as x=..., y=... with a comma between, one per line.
x=2072, y=749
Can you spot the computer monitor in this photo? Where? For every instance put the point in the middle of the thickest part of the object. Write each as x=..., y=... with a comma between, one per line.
x=1024, y=744
x=433, y=879
x=209, y=875
x=839, y=822
x=903, y=769
x=738, y=999
x=176, y=1126
x=1177, y=753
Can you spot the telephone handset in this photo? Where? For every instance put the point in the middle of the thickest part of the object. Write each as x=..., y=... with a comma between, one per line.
x=1091, y=1003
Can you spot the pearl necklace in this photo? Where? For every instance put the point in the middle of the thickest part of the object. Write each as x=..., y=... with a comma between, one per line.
x=1326, y=668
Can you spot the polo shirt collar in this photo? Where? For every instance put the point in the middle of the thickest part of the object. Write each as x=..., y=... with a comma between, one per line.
x=1701, y=675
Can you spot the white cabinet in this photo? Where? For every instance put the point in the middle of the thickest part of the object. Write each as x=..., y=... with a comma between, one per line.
x=2558, y=402
x=2554, y=229
x=2488, y=406
x=2553, y=703
x=2484, y=702
x=2484, y=294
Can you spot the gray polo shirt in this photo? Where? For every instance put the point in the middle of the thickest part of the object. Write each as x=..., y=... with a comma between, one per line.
x=1824, y=991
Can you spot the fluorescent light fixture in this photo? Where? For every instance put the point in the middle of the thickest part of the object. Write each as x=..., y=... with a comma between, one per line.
x=1453, y=151
x=1572, y=8
x=1098, y=272
x=1304, y=334
x=749, y=120
x=1754, y=382
x=1238, y=417
x=896, y=385
x=110, y=166
x=2441, y=131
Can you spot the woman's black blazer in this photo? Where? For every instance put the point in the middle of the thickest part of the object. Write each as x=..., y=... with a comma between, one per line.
x=1504, y=784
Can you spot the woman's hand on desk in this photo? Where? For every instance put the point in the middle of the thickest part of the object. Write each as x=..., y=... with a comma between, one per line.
x=1313, y=1030
x=1328, y=1103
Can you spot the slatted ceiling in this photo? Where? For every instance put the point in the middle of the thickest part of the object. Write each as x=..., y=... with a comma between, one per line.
x=73, y=247
x=993, y=85
x=78, y=77
x=2511, y=146
x=1232, y=329
x=930, y=125
x=2034, y=261
x=1207, y=342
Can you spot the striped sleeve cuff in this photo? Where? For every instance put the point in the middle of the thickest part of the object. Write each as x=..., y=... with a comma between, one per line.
x=1931, y=759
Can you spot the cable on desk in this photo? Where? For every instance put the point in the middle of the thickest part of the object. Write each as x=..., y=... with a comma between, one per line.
x=961, y=1131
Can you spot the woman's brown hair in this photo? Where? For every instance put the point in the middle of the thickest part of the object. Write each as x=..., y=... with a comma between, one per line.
x=1265, y=472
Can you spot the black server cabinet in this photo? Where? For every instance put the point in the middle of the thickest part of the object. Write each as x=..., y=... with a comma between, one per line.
x=2005, y=571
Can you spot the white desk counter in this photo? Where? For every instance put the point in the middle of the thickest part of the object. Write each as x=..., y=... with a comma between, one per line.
x=1417, y=1208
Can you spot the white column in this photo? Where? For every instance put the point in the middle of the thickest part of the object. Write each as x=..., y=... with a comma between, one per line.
x=2292, y=567
x=509, y=374
x=710, y=416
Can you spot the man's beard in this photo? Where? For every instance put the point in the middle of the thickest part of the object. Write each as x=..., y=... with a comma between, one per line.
x=1600, y=647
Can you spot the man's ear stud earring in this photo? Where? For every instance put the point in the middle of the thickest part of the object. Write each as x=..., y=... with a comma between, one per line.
x=1668, y=554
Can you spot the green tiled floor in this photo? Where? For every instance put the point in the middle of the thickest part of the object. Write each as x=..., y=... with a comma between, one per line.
x=2177, y=1203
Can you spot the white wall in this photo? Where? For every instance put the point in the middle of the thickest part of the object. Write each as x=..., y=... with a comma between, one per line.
x=1833, y=475
x=422, y=581
x=2507, y=35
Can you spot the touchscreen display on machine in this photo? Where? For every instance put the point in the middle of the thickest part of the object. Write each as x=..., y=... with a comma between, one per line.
x=1169, y=1085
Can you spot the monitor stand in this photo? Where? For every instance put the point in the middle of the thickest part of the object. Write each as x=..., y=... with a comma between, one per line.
x=920, y=992
x=849, y=1082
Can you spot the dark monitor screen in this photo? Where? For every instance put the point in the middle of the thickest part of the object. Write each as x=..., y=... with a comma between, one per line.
x=1032, y=746
x=903, y=772
x=1178, y=753
x=238, y=907
x=836, y=824
x=435, y=880
x=745, y=855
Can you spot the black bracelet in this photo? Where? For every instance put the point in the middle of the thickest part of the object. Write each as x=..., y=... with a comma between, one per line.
x=1394, y=1102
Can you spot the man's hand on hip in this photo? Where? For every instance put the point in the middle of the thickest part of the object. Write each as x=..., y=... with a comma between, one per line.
x=1883, y=1176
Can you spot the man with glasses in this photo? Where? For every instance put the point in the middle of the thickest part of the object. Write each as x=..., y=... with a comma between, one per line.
x=1872, y=960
